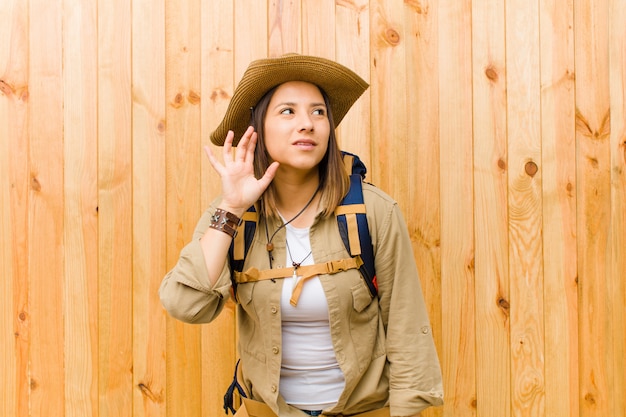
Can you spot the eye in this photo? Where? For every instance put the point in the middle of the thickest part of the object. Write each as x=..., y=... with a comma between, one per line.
x=319, y=112
x=287, y=110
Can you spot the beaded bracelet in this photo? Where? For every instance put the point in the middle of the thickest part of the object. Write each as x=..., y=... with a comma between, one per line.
x=225, y=221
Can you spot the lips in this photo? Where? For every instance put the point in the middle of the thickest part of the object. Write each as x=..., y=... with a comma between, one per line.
x=304, y=142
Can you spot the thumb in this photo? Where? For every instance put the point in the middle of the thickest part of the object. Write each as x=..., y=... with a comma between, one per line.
x=270, y=172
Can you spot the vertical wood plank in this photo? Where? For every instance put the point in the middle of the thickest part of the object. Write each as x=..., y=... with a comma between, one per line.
x=525, y=204
x=149, y=254
x=251, y=34
x=218, y=338
x=493, y=374
x=594, y=203
x=456, y=193
x=14, y=182
x=617, y=259
x=183, y=152
x=319, y=26
x=349, y=45
x=115, y=248
x=80, y=208
x=46, y=223
x=285, y=33
x=423, y=210
x=559, y=211
x=387, y=91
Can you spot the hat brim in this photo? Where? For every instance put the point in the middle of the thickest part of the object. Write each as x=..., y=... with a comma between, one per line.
x=342, y=85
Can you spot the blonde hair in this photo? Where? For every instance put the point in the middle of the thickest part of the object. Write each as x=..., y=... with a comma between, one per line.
x=334, y=182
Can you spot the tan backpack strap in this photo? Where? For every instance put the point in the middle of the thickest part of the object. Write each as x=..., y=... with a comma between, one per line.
x=304, y=272
x=347, y=162
x=350, y=211
x=239, y=243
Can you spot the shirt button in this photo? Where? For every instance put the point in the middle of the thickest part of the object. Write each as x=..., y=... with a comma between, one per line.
x=274, y=310
x=425, y=330
x=274, y=389
x=275, y=350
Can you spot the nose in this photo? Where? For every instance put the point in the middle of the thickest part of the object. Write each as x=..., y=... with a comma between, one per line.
x=306, y=123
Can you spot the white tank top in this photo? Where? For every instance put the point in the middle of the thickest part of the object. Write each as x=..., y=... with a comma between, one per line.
x=310, y=377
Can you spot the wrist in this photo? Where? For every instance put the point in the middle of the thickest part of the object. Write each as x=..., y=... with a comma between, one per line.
x=225, y=221
x=237, y=211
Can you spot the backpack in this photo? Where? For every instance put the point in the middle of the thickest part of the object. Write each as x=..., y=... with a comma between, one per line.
x=353, y=228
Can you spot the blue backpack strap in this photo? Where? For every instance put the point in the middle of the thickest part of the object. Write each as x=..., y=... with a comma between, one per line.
x=229, y=397
x=352, y=221
x=241, y=244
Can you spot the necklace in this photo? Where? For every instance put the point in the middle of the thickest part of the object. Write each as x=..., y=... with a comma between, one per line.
x=270, y=246
x=295, y=264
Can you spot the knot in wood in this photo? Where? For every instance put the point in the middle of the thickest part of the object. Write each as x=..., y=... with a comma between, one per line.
x=193, y=97
x=35, y=185
x=6, y=88
x=590, y=399
x=531, y=168
x=178, y=101
x=392, y=36
x=161, y=126
x=491, y=74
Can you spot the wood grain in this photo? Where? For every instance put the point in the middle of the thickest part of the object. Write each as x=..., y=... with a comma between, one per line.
x=115, y=230
x=493, y=298
x=525, y=209
x=46, y=209
x=318, y=21
x=219, y=353
x=14, y=209
x=350, y=44
x=183, y=156
x=251, y=34
x=559, y=208
x=456, y=194
x=284, y=31
x=80, y=227
x=423, y=209
x=149, y=207
x=616, y=362
x=387, y=92
x=594, y=204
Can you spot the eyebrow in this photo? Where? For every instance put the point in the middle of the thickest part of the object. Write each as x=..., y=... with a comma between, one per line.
x=293, y=104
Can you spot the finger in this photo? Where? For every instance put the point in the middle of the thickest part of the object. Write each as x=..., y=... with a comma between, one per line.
x=228, y=146
x=213, y=160
x=270, y=172
x=251, y=147
x=243, y=144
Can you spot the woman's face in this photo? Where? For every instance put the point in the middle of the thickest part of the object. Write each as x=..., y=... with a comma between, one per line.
x=296, y=127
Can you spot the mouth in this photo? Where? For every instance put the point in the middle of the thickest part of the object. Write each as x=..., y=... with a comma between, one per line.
x=304, y=143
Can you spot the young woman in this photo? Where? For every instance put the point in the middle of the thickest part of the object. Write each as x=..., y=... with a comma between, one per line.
x=308, y=344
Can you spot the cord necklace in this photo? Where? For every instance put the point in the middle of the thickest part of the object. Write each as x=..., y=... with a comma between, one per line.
x=270, y=246
x=295, y=264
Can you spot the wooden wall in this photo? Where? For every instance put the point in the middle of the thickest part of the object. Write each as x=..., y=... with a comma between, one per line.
x=499, y=126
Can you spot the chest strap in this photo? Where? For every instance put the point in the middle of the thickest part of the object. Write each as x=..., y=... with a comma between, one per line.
x=303, y=273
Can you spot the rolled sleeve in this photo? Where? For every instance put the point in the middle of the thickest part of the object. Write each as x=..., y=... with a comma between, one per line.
x=186, y=292
x=415, y=380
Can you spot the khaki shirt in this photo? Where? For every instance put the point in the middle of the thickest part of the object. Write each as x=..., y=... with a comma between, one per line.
x=384, y=345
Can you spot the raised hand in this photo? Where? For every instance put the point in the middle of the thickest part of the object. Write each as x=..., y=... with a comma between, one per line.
x=240, y=188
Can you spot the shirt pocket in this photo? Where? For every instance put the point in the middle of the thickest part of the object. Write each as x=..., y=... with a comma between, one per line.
x=364, y=325
x=244, y=294
x=361, y=297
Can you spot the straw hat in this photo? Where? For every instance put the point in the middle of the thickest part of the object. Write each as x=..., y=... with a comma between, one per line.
x=341, y=84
